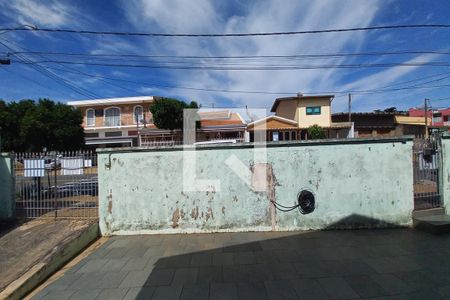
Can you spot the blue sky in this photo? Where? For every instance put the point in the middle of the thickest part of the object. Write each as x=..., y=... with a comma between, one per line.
x=19, y=81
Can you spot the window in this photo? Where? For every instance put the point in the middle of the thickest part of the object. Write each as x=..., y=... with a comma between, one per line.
x=91, y=135
x=275, y=136
x=90, y=117
x=293, y=135
x=437, y=117
x=138, y=115
x=286, y=136
x=313, y=110
x=113, y=133
x=112, y=116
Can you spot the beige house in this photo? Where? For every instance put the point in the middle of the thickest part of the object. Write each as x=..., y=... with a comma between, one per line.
x=114, y=122
x=293, y=116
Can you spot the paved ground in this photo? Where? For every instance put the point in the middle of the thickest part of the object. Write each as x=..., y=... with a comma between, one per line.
x=380, y=264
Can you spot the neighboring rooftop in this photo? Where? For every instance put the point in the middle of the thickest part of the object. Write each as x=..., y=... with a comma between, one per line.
x=373, y=113
x=109, y=101
x=300, y=96
x=220, y=118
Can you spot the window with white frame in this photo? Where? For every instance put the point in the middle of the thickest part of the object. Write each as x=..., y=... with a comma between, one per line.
x=90, y=117
x=138, y=114
x=112, y=116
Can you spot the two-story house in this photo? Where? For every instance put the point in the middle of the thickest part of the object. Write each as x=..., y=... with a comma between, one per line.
x=294, y=115
x=439, y=119
x=125, y=122
x=114, y=122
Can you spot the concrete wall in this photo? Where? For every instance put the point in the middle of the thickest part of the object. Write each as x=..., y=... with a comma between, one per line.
x=445, y=177
x=356, y=183
x=7, y=199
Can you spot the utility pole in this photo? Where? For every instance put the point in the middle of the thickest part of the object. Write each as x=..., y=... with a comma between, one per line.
x=350, y=107
x=426, y=118
x=136, y=115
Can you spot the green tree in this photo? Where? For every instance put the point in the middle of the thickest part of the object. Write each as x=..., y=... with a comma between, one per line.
x=168, y=112
x=391, y=109
x=30, y=125
x=315, y=132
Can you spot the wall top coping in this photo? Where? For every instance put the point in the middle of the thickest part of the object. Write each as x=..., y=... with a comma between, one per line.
x=325, y=142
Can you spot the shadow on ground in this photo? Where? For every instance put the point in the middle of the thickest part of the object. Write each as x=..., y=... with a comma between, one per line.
x=334, y=264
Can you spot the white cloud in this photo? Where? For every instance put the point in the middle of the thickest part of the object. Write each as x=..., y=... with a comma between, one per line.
x=268, y=15
x=49, y=13
x=388, y=76
x=202, y=16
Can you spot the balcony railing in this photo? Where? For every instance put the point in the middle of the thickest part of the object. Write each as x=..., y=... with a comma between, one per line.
x=112, y=121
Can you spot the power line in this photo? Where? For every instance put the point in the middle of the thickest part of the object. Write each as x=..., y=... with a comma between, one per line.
x=321, y=55
x=176, y=86
x=441, y=99
x=42, y=70
x=383, y=89
x=155, y=34
x=253, y=68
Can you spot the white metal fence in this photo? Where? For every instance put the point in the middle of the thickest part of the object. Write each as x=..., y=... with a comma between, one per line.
x=56, y=184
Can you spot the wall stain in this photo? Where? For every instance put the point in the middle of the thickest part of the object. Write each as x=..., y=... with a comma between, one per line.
x=110, y=205
x=175, y=218
x=235, y=199
x=223, y=210
x=108, y=225
x=194, y=213
x=271, y=184
x=209, y=214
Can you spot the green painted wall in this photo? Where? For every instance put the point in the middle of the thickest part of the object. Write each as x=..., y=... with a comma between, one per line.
x=445, y=178
x=7, y=200
x=357, y=183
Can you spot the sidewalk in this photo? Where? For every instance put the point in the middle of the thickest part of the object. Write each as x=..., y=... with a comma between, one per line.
x=397, y=263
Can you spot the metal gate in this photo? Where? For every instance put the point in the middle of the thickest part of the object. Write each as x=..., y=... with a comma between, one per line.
x=56, y=184
x=427, y=168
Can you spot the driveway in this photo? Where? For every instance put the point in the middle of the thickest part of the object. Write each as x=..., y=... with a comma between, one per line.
x=385, y=264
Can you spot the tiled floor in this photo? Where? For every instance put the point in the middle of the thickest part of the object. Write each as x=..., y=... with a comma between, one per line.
x=379, y=264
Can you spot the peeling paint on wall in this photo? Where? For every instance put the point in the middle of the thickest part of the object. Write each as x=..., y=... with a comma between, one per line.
x=175, y=218
x=194, y=213
x=337, y=174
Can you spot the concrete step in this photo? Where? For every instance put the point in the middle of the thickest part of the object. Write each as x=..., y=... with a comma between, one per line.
x=433, y=223
x=428, y=212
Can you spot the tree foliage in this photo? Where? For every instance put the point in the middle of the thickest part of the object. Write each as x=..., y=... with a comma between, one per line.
x=30, y=125
x=168, y=112
x=315, y=132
